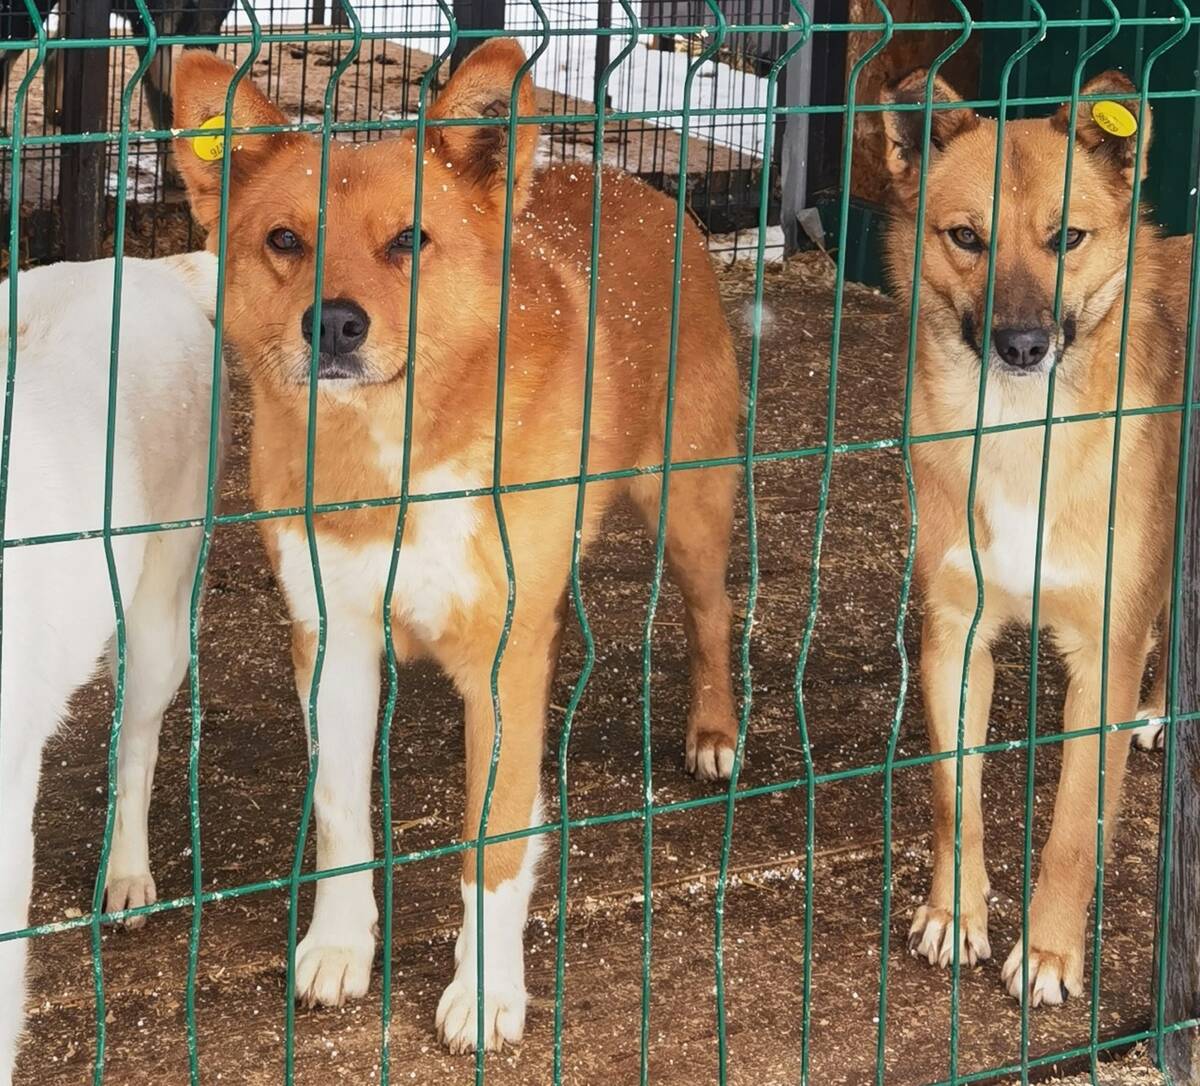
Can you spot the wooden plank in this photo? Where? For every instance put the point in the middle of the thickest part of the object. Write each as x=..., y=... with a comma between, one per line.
x=1183, y=954
x=829, y=65
x=81, y=192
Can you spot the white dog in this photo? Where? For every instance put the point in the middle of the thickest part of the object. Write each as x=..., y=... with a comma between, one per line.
x=58, y=615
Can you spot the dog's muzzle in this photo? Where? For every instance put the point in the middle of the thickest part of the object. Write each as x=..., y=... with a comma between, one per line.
x=1020, y=351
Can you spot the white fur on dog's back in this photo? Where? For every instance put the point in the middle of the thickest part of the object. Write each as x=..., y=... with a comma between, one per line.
x=56, y=466
x=58, y=614
x=56, y=471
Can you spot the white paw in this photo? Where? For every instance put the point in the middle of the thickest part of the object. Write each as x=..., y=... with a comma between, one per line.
x=130, y=892
x=708, y=756
x=330, y=970
x=1052, y=977
x=503, y=1016
x=1152, y=735
x=932, y=937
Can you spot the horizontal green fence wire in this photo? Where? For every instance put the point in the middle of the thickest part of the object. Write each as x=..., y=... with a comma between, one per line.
x=711, y=31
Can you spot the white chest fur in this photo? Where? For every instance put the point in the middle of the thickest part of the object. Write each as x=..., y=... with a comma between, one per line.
x=434, y=569
x=1009, y=560
x=1007, y=495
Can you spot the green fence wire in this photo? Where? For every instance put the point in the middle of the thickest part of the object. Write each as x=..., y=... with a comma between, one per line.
x=709, y=34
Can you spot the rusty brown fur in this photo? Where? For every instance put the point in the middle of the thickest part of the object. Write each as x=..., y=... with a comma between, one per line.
x=275, y=184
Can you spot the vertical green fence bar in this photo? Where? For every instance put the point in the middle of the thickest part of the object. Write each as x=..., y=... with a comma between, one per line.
x=1039, y=541
x=1114, y=478
x=310, y=530
x=710, y=49
x=814, y=583
x=122, y=655
x=764, y=200
x=14, y=250
x=976, y=449
x=589, y=643
x=393, y=677
x=214, y=452
x=885, y=926
x=501, y=524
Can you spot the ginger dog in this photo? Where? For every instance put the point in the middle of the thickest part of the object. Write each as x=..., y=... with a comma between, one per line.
x=451, y=586
x=1022, y=345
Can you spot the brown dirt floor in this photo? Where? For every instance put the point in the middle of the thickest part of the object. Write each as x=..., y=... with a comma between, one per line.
x=252, y=770
x=1134, y=1070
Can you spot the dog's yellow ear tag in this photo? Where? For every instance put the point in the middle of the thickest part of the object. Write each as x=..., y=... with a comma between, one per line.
x=210, y=148
x=1114, y=118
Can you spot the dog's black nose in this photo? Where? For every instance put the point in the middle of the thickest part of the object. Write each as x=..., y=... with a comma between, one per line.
x=1022, y=348
x=344, y=326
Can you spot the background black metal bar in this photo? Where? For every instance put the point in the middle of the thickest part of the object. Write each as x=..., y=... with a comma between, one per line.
x=81, y=192
x=799, y=85
x=475, y=15
x=603, y=51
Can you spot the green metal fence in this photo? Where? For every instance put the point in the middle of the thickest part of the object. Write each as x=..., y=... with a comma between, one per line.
x=1095, y=27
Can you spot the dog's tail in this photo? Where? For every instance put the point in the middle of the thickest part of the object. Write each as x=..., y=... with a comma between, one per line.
x=198, y=272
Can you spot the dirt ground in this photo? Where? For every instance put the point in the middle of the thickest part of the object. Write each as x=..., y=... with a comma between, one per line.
x=252, y=770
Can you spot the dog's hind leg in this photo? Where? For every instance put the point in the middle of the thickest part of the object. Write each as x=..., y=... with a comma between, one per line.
x=155, y=664
x=1152, y=734
x=699, y=523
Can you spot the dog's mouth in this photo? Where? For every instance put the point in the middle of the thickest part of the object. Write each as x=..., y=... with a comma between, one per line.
x=343, y=371
x=1061, y=340
x=341, y=367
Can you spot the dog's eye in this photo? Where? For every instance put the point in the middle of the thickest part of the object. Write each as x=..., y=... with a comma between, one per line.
x=406, y=241
x=1073, y=238
x=283, y=240
x=966, y=238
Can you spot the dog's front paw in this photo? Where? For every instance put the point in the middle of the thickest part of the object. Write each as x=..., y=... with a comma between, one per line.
x=331, y=968
x=503, y=1015
x=1053, y=975
x=1152, y=735
x=932, y=936
x=130, y=892
x=708, y=753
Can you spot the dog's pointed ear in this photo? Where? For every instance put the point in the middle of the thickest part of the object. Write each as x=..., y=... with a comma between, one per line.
x=904, y=130
x=1108, y=128
x=482, y=87
x=200, y=89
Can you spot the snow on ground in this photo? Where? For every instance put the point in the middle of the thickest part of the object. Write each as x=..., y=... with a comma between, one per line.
x=647, y=80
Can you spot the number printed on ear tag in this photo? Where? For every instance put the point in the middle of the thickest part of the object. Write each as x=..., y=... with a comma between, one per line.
x=210, y=148
x=1114, y=118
